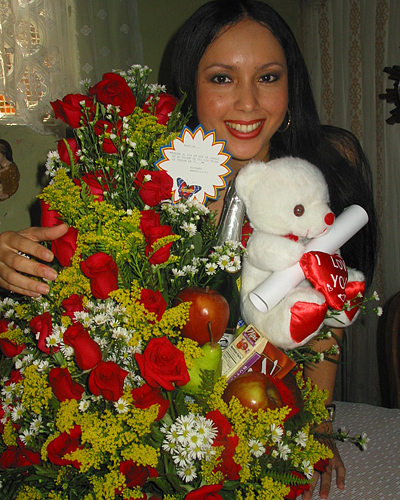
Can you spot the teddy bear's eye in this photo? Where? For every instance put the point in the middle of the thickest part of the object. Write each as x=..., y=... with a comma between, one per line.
x=298, y=210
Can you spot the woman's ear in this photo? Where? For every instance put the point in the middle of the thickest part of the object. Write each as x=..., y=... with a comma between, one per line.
x=247, y=178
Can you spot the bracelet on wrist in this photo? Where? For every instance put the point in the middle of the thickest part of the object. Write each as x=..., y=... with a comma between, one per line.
x=331, y=409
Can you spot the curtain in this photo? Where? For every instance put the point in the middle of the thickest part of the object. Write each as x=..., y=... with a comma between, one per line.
x=347, y=44
x=48, y=47
x=108, y=37
x=38, y=57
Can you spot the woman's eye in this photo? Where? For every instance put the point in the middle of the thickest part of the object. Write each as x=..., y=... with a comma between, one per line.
x=268, y=78
x=220, y=79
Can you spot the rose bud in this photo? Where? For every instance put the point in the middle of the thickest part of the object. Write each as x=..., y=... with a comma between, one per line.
x=87, y=351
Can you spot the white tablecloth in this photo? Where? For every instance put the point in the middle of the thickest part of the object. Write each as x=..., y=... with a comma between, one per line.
x=372, y=474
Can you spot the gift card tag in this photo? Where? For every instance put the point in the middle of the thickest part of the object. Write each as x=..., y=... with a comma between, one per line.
x=197, y=163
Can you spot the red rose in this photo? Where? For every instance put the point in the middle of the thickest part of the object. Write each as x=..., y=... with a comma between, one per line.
x=65, y=246
x=15, y=377
x=107, y=380
x=103, y=274
x=155, y=190
x=7, y=347
x=229, y=441
x=103, y=129
x=70, y=109
x=146, y=396
x=297, y=490
x=162, y=364
x=97, y=182
x=153, y=301
x=63, y=386
x=136, y=475
x=42, y=325
x=148, y=219
x=18, y=456
x=165, y=105
x=64, y=153
x=65, y=443
x=87, y=351
x=152, y=235
x=114, y=90
x=206, y=492
x=73, y=304
x=246, y=233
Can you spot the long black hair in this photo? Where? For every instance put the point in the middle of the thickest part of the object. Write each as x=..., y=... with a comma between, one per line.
x=334, y=151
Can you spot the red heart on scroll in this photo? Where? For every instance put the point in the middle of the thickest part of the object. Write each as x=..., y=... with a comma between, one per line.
x=354, y=295
x=328, y=275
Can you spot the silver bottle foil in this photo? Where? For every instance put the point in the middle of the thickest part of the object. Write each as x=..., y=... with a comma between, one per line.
x=230, y=225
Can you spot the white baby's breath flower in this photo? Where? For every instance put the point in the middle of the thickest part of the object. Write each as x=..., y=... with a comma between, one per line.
x=143, y=163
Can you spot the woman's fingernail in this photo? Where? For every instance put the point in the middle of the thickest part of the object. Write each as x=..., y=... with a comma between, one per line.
x=51, y=274
x=42, y=288
x=47, y=255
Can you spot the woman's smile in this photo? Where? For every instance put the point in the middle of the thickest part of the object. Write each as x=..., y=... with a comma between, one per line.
x=245, y=130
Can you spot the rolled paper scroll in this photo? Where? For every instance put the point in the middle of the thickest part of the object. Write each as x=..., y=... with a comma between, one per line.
x=271, y=291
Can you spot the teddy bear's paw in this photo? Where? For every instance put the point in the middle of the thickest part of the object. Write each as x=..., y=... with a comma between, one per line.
x=306, y=319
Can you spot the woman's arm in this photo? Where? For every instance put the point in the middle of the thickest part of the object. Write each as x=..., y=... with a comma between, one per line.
x=323, y=375
x=14, y=267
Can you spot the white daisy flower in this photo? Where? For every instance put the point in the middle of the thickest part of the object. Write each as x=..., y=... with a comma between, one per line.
x=26, y=437
x=307, y=468
x=301, y=439
x=276, y=433
x=256, y=447
x=17, y=412
x=36, y=425
x=121, y=406
x=187, y=473
x=284, y=451
x=84, y=405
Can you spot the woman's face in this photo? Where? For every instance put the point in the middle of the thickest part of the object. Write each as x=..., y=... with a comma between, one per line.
x=242, y=90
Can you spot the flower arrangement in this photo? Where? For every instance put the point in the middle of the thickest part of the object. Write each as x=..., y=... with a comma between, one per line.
x=92, y=399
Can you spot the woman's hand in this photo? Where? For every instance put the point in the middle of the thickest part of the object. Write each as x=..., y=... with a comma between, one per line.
x=335, y=464
x=13, y=266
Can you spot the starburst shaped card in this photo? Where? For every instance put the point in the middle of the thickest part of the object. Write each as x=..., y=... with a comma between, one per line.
x=197, y=163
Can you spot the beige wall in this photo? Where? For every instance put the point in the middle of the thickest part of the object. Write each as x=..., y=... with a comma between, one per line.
x=159, y=20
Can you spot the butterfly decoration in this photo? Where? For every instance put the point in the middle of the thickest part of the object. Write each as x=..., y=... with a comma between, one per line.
x=186, y=191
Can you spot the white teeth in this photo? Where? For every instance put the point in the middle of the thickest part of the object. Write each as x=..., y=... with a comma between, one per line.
x=244, y=128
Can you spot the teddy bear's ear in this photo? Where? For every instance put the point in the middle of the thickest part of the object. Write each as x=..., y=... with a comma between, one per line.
x=247, y=178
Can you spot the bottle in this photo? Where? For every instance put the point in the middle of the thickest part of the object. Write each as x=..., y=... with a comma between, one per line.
x=230, y=229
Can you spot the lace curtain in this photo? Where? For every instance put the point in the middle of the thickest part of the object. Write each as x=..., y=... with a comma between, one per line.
x=347, y=43
x=48, y=46
x=108, y=37
x=38, y=55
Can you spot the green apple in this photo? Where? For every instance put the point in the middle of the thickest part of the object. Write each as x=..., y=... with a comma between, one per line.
x=211, y=362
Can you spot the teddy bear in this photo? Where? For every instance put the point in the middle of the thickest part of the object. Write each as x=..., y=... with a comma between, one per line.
x=287, y=204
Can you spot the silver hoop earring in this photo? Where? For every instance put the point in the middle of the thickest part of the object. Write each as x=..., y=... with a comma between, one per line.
x=289, y=121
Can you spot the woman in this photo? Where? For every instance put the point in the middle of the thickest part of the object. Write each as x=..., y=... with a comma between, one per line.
x=244, y=76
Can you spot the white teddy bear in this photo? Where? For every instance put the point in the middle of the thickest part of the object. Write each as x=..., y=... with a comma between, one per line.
x=287, y=203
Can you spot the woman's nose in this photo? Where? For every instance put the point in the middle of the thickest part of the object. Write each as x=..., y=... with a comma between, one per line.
x=246, y=97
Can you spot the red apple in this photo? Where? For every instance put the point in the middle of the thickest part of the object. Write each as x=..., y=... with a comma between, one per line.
x=254, y=390
x=208, y=314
